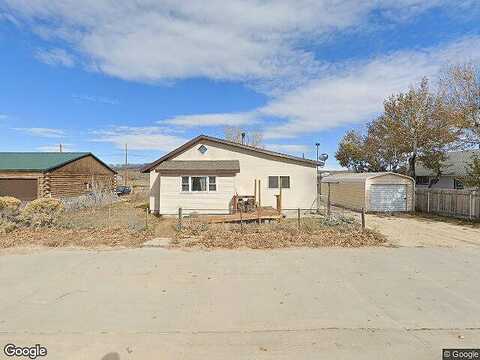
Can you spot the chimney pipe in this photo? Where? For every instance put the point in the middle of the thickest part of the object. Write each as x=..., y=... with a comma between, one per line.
x=243, y=138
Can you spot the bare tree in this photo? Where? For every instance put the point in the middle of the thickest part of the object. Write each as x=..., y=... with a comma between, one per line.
x=252, y=138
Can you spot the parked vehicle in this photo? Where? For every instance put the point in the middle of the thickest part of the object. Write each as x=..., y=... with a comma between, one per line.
x=123, y=190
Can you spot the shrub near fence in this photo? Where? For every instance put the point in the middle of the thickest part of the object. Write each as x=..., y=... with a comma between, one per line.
x=447, y=202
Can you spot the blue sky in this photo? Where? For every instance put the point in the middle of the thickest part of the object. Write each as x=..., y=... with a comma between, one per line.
x=94, y=75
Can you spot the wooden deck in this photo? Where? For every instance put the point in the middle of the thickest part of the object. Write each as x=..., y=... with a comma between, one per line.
x=261, y=215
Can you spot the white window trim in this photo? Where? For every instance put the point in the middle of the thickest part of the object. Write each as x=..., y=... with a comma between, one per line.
x=190, y=191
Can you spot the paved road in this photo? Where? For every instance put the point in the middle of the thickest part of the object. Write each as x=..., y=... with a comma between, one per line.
x=378, y=303
x=408, y=230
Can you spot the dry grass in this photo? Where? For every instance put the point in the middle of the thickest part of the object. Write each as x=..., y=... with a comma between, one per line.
x=57, y=237
x=124, y=223
x=313, y=233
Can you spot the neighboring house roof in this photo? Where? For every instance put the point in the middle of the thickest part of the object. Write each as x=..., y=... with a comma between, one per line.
x=204, y=165
x=455, y=165
x=358, y=177
x=41, y=161
x=200, y=138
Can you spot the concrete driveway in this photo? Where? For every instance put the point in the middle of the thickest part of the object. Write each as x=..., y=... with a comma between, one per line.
x=410, y=230
x=370, y=303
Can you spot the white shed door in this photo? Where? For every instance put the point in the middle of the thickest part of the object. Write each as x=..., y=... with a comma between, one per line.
x=388, y=198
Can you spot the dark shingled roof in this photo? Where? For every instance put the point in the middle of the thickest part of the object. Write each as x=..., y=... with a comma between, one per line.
x=40, y=161
x=201, y=165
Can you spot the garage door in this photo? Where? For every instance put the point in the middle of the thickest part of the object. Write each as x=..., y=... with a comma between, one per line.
x=388, y=198
x=23, y=189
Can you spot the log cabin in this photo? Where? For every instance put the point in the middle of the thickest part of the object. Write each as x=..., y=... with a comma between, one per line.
x=30, y=175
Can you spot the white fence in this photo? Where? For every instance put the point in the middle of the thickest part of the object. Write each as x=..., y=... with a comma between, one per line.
x=452, y=203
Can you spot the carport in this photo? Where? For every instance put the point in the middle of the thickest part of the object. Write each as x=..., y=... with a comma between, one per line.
x=374, y=192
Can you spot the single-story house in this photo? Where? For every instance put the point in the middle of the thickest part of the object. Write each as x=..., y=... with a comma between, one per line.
x=452, y=172
x=30, y=175
x=374, y=191
x=205, y=174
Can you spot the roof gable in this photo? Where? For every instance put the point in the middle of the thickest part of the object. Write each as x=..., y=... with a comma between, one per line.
x=40, y=161
x=252, y=149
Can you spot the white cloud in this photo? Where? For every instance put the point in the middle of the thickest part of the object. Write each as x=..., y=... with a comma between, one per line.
x=55, y=57
x=139, y=138
x=297, y=149
x=213, y=119
x=95, y=99
x=357, y=94
x=248, y=40
x=42, y=132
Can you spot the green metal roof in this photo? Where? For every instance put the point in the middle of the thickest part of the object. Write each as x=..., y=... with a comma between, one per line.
x=37, y=161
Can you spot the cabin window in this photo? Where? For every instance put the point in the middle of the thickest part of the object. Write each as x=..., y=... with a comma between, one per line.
x=423, y=180
x=274, y=181
x=212, y=183
x=458, y=184
x=199, y=183
x=185, y=183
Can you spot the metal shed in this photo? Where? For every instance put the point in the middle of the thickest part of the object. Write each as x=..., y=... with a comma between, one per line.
x=374, y=192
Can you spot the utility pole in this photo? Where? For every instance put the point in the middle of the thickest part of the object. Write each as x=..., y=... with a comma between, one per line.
x=126, y=165
x=61, y=148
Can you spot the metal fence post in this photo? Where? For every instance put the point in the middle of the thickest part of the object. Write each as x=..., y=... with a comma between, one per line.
x=180, y=215
x=363, y=218
x=241, y=220
x=298, y=218
x=146, y=218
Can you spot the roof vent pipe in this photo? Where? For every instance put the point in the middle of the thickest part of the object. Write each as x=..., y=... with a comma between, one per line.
x=243, y=138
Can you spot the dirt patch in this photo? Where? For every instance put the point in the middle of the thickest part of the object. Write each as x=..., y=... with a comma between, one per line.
x=73, y=237
x=312, y=233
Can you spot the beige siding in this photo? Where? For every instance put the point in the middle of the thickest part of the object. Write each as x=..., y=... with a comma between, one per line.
x=303, y=178
x=154, y=193
x=350, y=195
x=171, y=196
x=391, y=180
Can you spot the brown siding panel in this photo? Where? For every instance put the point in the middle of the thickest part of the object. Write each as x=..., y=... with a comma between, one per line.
x=23, y=189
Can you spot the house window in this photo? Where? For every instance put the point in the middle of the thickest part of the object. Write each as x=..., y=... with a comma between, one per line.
x=458, y=184
x=274, y=181
x=285, y=182
x=202, y=149
x=423, y=180
x=199, y=183
x=185, y=183
x=212, y=183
